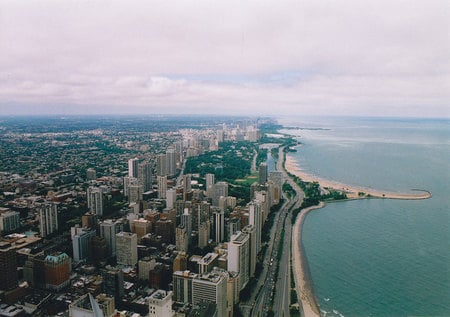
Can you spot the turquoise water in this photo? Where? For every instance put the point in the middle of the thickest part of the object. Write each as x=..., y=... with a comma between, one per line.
x=380, y=257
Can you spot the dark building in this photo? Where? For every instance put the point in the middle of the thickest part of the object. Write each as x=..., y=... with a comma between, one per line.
x=99, y=249
x=113, y=283
x=8, y=267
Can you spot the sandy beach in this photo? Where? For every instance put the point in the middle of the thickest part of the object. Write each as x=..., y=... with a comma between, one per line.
x=351, y=191
x=302, y=277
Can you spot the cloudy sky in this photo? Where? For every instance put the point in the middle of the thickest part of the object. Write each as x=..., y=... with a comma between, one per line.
x=237, y=57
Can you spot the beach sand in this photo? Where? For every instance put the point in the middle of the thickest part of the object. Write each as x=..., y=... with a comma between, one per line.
x=351, y=191
x=305, y=292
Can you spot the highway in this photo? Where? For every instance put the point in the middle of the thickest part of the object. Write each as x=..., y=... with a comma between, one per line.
x=283, y=286
x=268, y=288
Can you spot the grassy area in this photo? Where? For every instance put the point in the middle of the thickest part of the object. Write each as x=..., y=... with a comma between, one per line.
x=250, y=179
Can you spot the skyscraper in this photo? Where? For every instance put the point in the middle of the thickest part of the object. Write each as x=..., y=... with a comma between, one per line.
x=238, y=257
x=171, y=198
x=95, y=200
x=126, y=252
x=162, y=186
x=182, y=286
x=219, y=189
x=161, y=169
x=81, y=243
x=145, y=175
x=211, y=287
x=219, y=227
x=255, y=219
x=48, y=219
x=171, y=162
x=108, y=230
x=8, y=267
x=263, y=173
x=9, y=220
x=181, y=238
x=133, y=167
x=113, y=283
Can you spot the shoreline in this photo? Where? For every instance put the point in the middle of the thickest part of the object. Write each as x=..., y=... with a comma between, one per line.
x=302, y=275
x=351, y=191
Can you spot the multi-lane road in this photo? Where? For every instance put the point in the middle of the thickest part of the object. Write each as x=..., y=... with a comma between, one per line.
x=273, y=289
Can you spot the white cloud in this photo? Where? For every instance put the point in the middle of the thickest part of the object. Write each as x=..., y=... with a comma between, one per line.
x=383, y=57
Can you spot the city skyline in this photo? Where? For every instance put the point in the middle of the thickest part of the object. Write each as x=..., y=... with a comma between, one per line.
x=388, y=58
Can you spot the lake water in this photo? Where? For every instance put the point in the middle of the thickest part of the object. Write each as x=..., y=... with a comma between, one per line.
x=379, y=257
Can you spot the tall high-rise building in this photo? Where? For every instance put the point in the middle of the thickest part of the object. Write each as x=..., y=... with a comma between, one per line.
x=182, y=286
x=186, y=185
x=113, y=283
x=160, y=304
x=181, y=238
x=171, y=198
x=203, y=234
x=263, y=173
x=255, y=219
x=108, y=230
x=162, y=186
x=211, y=287
x=180, y=262
x=89, y=220
x=57, y=271
x=171, y=162
x=95, y=200
x=8, y=267
x=145, y=175
x=219, y=227
x=251, y=232
x=145, y=266
x=81, y=243
x=48, y=219
x=209, y=184
x=186, y=221
x=161, y=169
x=219, y=189
x=141, y=227
x=9, y=220
x=126, y=251
x=234, y=225
x=135, y=193
x=133, y=167
x=238, y=257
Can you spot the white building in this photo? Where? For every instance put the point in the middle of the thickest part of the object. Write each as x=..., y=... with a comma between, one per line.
x=255, y=219
x=211, y=287
x=160, y=304
x=238, y=257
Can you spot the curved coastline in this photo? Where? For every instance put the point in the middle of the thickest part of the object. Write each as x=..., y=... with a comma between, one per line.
x=302, y=275
x=353, y=192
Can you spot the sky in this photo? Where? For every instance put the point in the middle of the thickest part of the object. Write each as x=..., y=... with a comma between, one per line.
x=315, y=57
